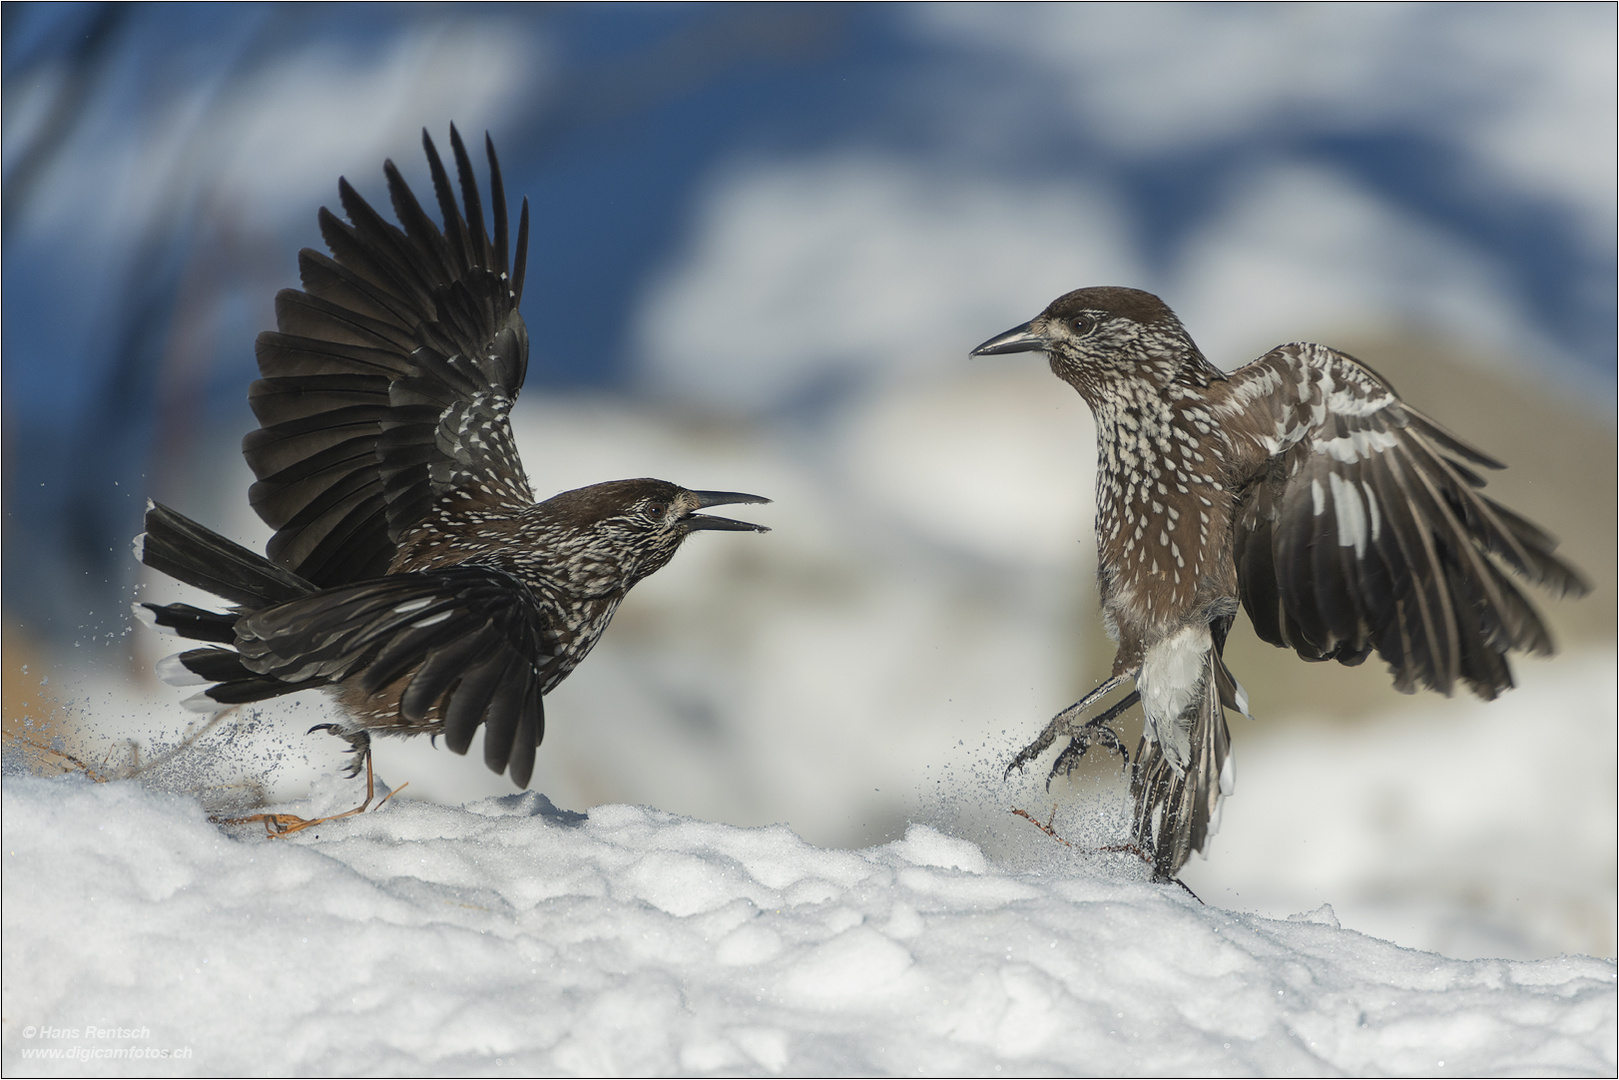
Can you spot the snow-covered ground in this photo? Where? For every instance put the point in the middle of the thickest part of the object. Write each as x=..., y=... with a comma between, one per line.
x=509, y=936
x=502, y=934
x=493, y=932
x=914, y=618
x=879, y=657
x=1471, y=828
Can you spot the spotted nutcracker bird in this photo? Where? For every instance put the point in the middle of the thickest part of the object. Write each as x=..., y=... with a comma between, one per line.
x=1301, y=487
x=411, y=569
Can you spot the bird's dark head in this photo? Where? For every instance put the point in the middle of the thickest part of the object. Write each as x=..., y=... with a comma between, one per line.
x=631, y=528
x=1096, y=337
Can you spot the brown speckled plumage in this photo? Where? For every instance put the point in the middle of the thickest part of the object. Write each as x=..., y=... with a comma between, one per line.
x=1299, y=486
x=411, y=569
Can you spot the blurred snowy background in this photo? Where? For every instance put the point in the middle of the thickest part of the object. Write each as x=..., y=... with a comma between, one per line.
x=764, y=240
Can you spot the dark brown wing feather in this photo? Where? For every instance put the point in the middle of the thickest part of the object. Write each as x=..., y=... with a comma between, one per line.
x=1366, y=530
x=389, y=379
x=463, y=646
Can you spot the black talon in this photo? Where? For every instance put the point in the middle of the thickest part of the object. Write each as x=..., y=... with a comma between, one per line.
x=1096, y=731
x=359, y=744
x=1030, y=752
x=1080, y=738
x=1063, y=722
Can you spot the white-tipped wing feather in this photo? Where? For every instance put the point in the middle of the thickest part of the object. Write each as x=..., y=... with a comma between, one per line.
x=1364, y=529
x=389, y=379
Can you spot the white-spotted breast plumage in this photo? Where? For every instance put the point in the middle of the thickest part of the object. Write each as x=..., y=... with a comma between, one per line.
x=1301, y=487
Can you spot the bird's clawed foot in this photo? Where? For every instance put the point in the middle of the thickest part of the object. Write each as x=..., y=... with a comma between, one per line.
x=1094, y=732
x=1064, y=724
x=359, y=742
x=1081, y=737
x=1034, y=749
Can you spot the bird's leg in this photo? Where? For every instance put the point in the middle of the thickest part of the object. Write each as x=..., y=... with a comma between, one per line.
x=1097, y=731
x=1064, y=723
x=359, y=742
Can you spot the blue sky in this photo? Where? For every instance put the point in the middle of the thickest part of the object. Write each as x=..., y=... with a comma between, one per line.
x=764, y=211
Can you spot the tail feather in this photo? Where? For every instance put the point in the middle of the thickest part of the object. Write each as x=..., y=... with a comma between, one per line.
x=195, y=623
x=1178, y=808
x=189, y=552
x=232, y=683
x=186, y=551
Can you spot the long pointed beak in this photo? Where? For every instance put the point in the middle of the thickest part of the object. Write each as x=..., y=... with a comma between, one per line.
x=1017, y=339
x=705, y=499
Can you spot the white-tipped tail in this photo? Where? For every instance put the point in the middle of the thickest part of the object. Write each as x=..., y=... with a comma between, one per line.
x=202, y=703
x=172, y=670
x=1178, y=804
x=1241, y=696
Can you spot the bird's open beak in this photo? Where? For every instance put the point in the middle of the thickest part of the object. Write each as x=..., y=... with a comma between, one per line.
x=705, y=499
x=1017, y=339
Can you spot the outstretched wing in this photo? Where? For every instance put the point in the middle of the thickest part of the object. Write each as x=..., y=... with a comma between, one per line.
x=1365, y=529
x=389, y=379
x=460, y=646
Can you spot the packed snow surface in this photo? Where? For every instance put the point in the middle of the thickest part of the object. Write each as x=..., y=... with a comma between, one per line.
x=511, y=936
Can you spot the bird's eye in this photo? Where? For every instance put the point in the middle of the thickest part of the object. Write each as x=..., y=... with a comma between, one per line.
x=654, y=511
x=1082, y=324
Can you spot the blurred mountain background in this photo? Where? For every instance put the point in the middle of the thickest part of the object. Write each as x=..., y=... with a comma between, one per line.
x=764, y=239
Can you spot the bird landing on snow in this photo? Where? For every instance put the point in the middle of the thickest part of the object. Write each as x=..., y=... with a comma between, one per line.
x=1300, y=487
x=411, y=569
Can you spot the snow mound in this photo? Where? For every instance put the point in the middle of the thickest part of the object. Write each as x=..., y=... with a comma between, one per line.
x=510, y=934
